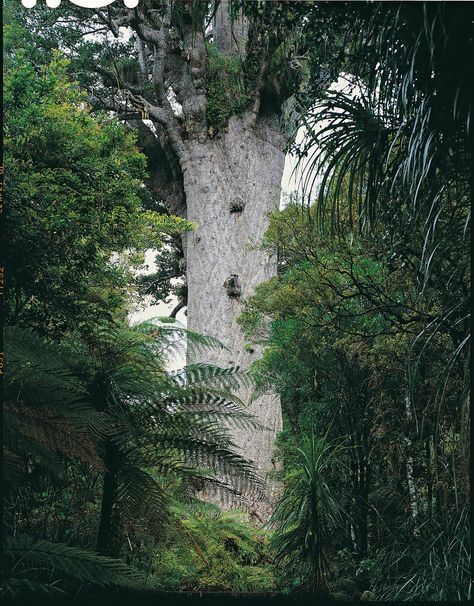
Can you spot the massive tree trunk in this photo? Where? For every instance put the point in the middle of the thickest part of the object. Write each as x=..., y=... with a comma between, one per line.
x=231, y=185
x=223, y=177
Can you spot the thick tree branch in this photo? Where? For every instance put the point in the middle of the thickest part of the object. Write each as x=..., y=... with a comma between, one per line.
x=177, y=308
x=166, y=179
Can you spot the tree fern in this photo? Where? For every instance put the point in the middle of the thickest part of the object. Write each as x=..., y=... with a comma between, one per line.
x=143, y=417
x=171, y=422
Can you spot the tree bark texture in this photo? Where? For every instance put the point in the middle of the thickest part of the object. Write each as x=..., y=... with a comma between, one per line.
x=231, y=185
x=229, y=35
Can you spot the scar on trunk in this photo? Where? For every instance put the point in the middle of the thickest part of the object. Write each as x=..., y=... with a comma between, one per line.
x=237, y=205
x=232, y=286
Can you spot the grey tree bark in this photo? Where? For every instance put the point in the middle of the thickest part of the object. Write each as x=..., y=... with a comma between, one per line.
x=229, y=35
x=231, y=185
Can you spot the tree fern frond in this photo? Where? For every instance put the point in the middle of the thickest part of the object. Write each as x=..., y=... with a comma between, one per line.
x=13, y=467
x=174, y=423
x=197, y=396
x=195, y=342
x=29, y=450
x=235, y=419
x=52, y=433
x=165, y=328
x=138, y=491
x=214, y=451
x=40, y=377
x=211, y=376
x=70, y=561
x=35, y=357
x=20, y=587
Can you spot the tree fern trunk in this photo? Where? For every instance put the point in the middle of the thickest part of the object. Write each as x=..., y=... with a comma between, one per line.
x=106, y=532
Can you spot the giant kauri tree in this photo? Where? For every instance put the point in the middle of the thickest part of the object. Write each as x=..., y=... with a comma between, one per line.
x=210, y=87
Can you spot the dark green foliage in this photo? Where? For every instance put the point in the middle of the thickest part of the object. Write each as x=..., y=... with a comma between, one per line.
x=93, y=415
x=114, y=389
x=75, y=186
x=308, y=515
x=437, y=567
x=339, y=327
x=162, y=284
x=206, y=549
x=109, y=404
x=366, y=325
x=225, y=90
x=32, y=567
x=393, y=155
x=297, y=49
x=369, y=319
x=48, y=414
x=68, y=174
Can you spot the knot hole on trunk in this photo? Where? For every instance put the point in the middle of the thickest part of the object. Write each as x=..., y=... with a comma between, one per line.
x=237, y=205
x=232, y=286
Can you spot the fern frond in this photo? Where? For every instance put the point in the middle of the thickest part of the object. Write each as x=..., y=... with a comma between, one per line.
x=29, y=450
x=40, y=375
x=13, y=467
x=70, y=561
x=41, y=361
x=211, y=376
x=195, y=342
x=138, y=491
x=167, y=329
x=21, y=587
x=196, y=396
x=26, y=425
x=239, y=420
